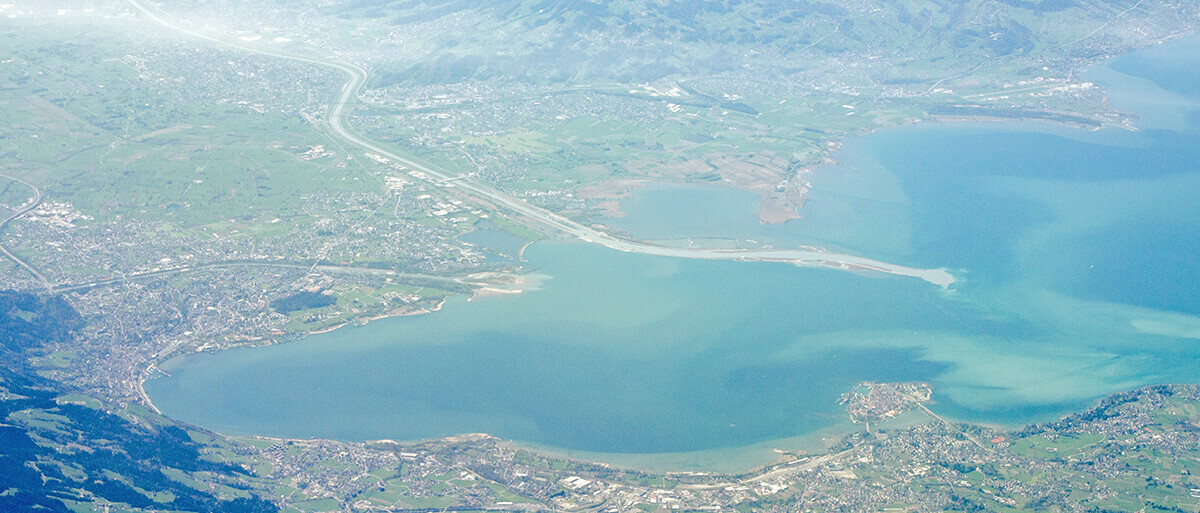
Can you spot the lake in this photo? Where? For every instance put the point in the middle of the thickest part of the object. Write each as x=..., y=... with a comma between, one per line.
x=1077, y=253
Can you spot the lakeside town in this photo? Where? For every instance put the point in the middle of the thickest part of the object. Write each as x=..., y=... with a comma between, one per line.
x=234, y=201
x=928, y=467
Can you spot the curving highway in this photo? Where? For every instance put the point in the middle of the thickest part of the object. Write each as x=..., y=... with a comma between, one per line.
x=37, y=200
x=338, y=114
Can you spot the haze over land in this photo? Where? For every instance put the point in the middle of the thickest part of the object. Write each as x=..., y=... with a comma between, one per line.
x=191, y=177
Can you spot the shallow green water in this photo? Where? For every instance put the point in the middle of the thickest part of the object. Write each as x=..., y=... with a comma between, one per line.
x=1078, y=253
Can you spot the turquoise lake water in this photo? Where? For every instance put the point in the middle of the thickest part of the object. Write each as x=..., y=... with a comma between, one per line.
x=1077, y=252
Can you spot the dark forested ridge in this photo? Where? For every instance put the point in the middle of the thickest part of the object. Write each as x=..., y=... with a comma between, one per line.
x=53, y=451
x=30, y=321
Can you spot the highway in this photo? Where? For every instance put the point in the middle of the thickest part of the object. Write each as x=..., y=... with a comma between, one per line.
x=37, y=200
x=786, y=468
x=339, y=112
x=401, y=276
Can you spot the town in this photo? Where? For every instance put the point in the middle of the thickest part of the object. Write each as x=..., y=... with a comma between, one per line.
x=177, y=193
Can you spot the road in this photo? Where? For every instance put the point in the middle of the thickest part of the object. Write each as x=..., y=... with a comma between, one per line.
x=402, y=276
x=952, y=426
x=339, y=112
x=37, y=200
x=787, y=468
x=777, y=470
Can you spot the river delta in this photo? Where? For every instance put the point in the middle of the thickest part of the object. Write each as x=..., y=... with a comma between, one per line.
x=1074, y=251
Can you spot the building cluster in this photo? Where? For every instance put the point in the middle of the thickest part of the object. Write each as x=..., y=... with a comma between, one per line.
x=927, y=467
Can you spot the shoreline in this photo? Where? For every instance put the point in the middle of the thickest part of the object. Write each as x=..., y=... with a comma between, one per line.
x=609, y=194
x=359, y=321
x=152, y=367
x=519, y=282
x=936, y=276
x=940, y=276
x=740, y=463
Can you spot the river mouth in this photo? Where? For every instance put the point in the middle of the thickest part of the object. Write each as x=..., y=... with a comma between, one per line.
x=647, y=355
x=619, y=352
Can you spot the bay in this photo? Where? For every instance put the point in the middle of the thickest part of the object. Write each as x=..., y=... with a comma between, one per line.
x=1076, y=253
